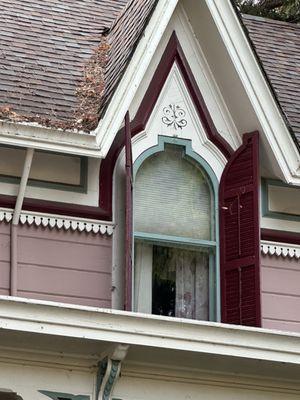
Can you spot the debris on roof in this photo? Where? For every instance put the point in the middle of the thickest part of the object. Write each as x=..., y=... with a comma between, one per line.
x=60, y=65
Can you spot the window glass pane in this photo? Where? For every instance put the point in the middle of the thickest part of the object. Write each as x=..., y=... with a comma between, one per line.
x=180, y=283
x=172, y=197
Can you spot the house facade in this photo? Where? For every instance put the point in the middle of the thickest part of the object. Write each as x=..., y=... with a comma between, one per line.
x=149, y=202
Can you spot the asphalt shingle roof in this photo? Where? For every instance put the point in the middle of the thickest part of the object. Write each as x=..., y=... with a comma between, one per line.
x=278, y=47
x=44, y=46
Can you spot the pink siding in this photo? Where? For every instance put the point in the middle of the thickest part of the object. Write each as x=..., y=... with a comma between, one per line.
x=280, y=284
x=4, y=258
x=59, y=265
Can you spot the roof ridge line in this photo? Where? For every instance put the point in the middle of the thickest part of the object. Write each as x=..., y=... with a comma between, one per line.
x=269, y=20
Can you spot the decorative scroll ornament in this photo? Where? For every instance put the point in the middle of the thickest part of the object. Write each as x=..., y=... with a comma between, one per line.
x=280, y=249
x=59, y=222
x=174, y=117
x=108, y=372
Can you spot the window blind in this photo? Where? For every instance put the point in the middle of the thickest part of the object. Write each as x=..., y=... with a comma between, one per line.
x=172, y=197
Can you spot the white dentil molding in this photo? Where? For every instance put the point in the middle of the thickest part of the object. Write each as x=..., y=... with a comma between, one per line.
x=259, y=93
x=59, y=222
x=280, y=249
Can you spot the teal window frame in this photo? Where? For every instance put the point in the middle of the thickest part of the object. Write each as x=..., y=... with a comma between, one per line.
x=265, y=210
x=212, y=246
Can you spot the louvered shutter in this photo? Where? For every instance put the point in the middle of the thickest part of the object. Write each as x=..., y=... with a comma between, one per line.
x=128, y=217
x=239, y=236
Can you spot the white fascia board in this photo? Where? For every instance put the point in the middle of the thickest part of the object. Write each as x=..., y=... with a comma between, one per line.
x=126, y=90
x=43, y=138
x=260, y=95
x=103, y=325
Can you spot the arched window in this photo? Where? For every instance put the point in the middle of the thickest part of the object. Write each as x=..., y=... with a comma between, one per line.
x=175, y=236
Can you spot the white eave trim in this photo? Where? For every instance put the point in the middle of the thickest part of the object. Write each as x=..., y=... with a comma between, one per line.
x=89, y=323
x=263, y=102
x=127, y=88
x=39, y=137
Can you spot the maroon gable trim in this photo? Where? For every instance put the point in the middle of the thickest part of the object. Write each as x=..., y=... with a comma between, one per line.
x=280, y=236
x=173, y=53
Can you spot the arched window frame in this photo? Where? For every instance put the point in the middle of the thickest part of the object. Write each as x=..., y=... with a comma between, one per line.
x=212, y=245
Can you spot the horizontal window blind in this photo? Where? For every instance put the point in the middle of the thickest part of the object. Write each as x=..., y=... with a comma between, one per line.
x=172, y=197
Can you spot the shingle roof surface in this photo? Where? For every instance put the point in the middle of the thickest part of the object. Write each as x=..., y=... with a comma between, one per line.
x=123, y=38
x=43, y=47
x=278, y=47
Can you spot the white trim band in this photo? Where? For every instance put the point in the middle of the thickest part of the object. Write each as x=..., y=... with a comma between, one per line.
x=59, y=222
x=280, y=249
x=152, y=331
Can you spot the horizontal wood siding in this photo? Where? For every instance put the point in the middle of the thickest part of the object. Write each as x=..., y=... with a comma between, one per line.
x=280, y=282
x=59, y=265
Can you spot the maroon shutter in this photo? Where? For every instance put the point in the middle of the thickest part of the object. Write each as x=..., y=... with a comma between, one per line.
x=128, y=216
x=239, y=235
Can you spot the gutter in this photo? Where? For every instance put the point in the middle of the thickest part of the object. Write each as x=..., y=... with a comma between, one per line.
x=23, y=134
x=15, y=223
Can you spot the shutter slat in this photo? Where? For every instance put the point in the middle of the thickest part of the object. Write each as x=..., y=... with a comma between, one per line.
x=239, y=233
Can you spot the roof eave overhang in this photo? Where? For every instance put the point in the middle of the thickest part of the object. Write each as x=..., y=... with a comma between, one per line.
x=262, y=99
x=57, y=140
x=118, y=327
x=271, y=120
x=98, y=143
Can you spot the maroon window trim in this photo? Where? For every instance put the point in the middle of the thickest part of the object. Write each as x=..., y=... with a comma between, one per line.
x=240, y=235
x=128, y=216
